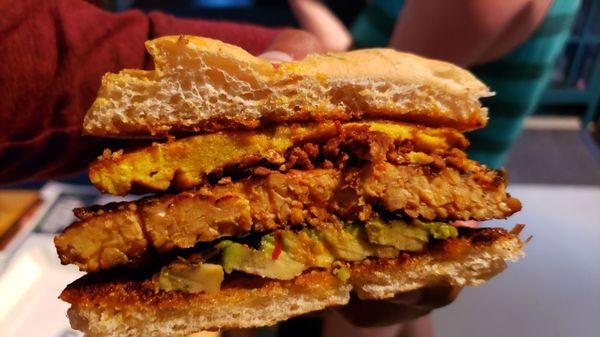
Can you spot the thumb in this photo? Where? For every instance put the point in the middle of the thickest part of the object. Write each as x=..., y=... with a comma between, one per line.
x=276, y=56
x=292, y=44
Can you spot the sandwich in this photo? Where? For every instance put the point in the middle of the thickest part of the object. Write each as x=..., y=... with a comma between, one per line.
x=275, y=190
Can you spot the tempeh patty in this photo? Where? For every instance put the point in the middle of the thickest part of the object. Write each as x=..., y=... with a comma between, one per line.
x=122, y=233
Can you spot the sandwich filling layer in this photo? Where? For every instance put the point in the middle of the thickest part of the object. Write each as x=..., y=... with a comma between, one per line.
x=141, y=287
x=185, y=163
x=285, y=254
x=122, y=233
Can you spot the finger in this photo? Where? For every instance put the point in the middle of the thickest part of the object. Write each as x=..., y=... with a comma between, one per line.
x=276, y=56
x=413, y=297
x=296, y=43
x=437, y=297
x=375, y=313
x=421, y=327
x=336, y=325
x=403, y=307
x=428, y=298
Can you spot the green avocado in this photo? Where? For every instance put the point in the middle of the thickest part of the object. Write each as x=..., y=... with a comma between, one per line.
x=342, y=273
x=440, y=230
x=349, y=244
x=286, y=254
x=397, y=234
x=299, y=250
x=306, y=246
x=237, y=256
x=191, y=277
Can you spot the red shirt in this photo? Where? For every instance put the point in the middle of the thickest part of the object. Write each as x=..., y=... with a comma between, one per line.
x=53, y=54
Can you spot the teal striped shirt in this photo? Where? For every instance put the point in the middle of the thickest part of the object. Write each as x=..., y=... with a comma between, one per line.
x=518, y=78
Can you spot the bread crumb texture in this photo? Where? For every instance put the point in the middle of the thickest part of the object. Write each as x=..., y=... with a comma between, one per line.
x=205, y=85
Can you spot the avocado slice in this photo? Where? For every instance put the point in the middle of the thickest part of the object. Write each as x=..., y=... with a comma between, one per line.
x=342, y=273
x=285, y=254
x=305, y=246
x=191, y=277
x=237, y=256
x=300, y=250
x=440, y=230
x=397, y=234
x=349, y=244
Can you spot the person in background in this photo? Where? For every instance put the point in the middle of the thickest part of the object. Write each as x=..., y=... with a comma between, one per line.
x=54, y=53
x=510, y=45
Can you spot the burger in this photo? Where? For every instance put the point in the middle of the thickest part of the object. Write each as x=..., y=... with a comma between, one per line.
x=277, y=190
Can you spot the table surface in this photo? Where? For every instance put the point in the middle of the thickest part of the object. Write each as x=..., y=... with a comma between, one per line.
x=554, y=291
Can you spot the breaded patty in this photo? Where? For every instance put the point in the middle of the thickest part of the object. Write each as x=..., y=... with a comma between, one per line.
x=121, y=233
x=185, y=163
x=110, y=303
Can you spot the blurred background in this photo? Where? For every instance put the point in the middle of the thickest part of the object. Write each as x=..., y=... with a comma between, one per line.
x=554, y=167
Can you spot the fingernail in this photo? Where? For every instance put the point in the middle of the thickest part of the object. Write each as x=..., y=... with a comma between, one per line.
x=276, y=56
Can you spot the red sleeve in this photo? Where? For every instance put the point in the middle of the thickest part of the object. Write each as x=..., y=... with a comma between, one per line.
x=54, y=53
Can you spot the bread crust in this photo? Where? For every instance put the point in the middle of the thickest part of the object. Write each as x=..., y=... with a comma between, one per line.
x=205, y=85
x=127, y=305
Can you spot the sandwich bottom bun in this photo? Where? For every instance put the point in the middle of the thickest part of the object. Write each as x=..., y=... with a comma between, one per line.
x=121, y=304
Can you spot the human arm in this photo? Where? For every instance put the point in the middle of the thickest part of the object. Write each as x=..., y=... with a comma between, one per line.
x=466, y=32
x=317, y=19
x=54, y=54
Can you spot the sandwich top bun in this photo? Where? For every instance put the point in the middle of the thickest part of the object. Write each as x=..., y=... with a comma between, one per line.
x=204, y=85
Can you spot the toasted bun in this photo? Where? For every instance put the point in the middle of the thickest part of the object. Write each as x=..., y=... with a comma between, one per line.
x=130, y=307
x=205, y=85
